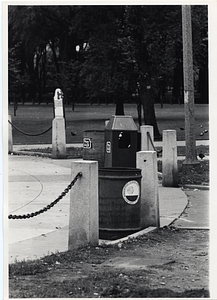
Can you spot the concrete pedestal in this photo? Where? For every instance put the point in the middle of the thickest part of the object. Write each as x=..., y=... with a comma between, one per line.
x=84, y=210
x=58, y=138
x=145, y=141
x=147, y=162
x=169, y=159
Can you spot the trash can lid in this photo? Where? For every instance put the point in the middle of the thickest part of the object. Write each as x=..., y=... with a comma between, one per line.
x=121, y=123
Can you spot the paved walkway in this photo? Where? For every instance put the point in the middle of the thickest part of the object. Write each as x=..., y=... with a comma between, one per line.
x=44, y=146
x=34, y=182
x=196, y=214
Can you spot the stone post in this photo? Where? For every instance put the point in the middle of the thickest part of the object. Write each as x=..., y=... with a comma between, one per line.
x=58, y=127
x=145, y=141
x=169, y=159
x=10, y=137
x=84, y=210
x=147, y=162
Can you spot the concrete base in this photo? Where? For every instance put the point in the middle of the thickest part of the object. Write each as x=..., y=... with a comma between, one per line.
x=58, y=138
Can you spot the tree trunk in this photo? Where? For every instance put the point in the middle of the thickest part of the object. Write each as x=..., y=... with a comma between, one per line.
x=203, y=85
x=55, y=57
x=178, y=74
x=148, y=107
x=139, y=110
x=119, y=107
x=44, y=61
x=145, y=90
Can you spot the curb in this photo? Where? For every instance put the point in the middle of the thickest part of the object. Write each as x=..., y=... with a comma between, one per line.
x=131, y=236
x=195, y=186
x=192, y=228
x=40, y=154
x=31, y=153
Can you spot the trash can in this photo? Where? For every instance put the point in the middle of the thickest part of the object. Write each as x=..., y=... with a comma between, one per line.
x=121, y=143
x=119, y=202
x=94, y=146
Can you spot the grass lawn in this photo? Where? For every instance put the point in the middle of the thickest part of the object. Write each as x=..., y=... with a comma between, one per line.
x=35, y=119
x=176, y=266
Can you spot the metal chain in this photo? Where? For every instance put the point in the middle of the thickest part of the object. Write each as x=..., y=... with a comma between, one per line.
x=29, y=134
x=27, y=216
x=155, y=149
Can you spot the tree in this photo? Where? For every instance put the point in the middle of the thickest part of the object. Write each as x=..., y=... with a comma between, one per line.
x=149, y=39
x=200, y=47
x=107, y=51
x=25, y=23
x=102, y=70
x=118, y=61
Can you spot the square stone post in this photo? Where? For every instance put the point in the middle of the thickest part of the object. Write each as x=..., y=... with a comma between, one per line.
x=147, y=162
x=84, y=211
x=145, y=141
x=169, y=159
x=58, y=127
x=10, y=137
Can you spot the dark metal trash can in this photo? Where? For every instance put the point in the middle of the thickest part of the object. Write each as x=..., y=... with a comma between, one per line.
x=121, y=136
x=119, y=201
x=94, y=146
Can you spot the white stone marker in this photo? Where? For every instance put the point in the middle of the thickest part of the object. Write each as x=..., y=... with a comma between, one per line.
x=147, y=162
x=106, y=122
x=145, y=141
x=10, y=137
x=58, y=103
x=169, y=159
x=58, y=127
x=84, y=209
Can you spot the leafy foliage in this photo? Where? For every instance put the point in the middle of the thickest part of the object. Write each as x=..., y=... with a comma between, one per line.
x=103, y=51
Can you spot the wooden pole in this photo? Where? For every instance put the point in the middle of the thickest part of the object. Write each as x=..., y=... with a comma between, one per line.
x=191, y=155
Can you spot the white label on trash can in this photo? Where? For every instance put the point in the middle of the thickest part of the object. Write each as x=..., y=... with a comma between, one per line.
x=87, y=143
x=131, y=192
x=108, y=147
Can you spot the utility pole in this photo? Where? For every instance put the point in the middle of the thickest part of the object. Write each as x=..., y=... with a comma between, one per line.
x=191, y=155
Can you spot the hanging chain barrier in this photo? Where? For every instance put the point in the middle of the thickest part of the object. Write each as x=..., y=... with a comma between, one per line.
x=155, y=149
x=29, y=134
x=27, y=216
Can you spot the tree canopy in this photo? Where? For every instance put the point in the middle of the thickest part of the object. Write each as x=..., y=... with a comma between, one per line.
x=103, y=51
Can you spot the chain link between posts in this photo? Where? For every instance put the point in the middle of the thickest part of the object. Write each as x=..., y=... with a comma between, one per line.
x=155, y=149
x=29, y=134
x=27, y=216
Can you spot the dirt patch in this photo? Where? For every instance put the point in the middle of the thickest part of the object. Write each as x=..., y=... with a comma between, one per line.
x=71, y=152
x=192, y=174
x=165, y=263
x=181, y=150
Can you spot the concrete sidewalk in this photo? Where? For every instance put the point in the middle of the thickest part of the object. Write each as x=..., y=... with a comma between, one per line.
x=19, y=149
x=34, y=182
x=44, y=146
